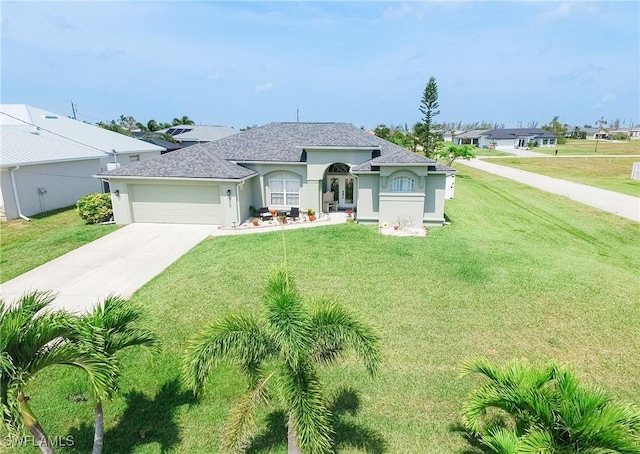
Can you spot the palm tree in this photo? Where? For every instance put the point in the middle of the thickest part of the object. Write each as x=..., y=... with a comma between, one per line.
x=279, y=352
x=33, y=337
x=113, y=326
x=153, y=125
x=547, y=411
x=185, y=120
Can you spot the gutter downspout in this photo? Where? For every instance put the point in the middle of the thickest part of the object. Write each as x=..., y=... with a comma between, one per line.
x=15, y=194
x=238, y=202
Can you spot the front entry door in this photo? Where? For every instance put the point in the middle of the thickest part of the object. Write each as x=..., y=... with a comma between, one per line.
x=343, y=188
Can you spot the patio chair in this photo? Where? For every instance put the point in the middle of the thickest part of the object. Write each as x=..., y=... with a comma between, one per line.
x=294, y=213
x=265, y=214
x=328, y=203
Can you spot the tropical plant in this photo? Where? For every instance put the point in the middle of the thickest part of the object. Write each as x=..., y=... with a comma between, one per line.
x=455, y=152
x=185, y=120
x=113, y=326
x=523, y=409
x=95, y=208
x=32, y=338
x=278, y=353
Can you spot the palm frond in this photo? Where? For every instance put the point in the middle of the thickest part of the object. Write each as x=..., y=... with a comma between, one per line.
x=501, y=441
x=287, y=319
x=334, y=328
x=242, y=424
x=118, y=323
x=302, y=392
x=537, y=441
x=240, y=338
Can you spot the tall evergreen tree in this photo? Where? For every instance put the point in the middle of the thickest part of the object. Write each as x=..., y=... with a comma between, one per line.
x=428, y=107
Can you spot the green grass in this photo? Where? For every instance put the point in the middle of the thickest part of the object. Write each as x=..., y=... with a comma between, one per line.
x=27, y=245
x=487, y=152
x=588, y=147
x=519, y=273
x=606, y=173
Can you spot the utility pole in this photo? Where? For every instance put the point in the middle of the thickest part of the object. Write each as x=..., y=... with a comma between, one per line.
x=73, y=109
x=297, y=115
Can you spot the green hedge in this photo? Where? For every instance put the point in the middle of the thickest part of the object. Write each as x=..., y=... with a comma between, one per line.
x=95, y=208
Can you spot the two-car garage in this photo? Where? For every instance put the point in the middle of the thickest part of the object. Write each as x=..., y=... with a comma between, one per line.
x=167, y=202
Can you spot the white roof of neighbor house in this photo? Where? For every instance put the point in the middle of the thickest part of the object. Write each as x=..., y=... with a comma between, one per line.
x=199, y=133
x=94, y=137
x=24, y=145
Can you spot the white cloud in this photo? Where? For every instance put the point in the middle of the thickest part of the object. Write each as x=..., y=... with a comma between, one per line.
x=268, y=86
x=606, y=99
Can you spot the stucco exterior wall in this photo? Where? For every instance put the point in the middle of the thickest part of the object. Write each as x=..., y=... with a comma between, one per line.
x=368, y=201
x=62, y=185
x=434, y=201
x=402, y=208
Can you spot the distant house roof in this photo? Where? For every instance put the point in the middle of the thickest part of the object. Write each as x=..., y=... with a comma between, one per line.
x=472, y=134
x=78, y=131
x=495, y=134
x=274, y=142
x=29, y=135
x=199, y=133
x=24, y=145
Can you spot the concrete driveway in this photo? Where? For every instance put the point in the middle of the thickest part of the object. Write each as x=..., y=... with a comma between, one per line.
x=621, y=204
x=119, y=263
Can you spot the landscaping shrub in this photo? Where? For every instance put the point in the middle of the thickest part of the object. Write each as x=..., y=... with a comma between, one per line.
x=95, y=208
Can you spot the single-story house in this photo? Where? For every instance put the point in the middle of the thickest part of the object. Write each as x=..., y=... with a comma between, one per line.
x=47, y=161
x=517, y=138
x=193, y=134
x=468, y=137
x=280, y=166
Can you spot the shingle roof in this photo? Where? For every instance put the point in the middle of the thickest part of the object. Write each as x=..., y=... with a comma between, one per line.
x=472, y=134
x=274, y=142
x=516, y=132
x=190, y=162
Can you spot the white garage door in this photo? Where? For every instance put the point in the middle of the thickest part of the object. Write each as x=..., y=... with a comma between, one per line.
x=171, y=204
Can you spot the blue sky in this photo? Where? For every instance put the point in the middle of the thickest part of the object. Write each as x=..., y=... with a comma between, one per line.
x=365, y=63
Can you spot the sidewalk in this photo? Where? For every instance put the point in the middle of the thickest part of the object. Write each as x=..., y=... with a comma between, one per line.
x=621, y=204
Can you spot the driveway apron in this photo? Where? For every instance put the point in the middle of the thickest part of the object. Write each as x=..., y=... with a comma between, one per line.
x=118, y=263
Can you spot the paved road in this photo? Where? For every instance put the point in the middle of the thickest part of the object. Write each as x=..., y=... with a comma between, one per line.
x=621, y=204
x=120, y=263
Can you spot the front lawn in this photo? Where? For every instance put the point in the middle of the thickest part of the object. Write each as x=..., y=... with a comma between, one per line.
x=606, y=173
x=519, y=273
x=25, y=245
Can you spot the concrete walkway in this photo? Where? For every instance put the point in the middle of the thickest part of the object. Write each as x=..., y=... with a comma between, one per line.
x=621, y=204
x=123, y=261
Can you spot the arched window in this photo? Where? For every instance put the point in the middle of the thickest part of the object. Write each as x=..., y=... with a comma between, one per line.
x=402, y=184
x=284, y=190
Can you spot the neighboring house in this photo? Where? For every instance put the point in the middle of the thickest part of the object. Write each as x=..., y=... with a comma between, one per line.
x=193, y=134
x=517, y=138
x=283, y=165
x=47, y=160
x=468, y=137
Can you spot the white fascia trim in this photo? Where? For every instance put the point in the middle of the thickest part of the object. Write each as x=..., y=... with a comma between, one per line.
x=337, y=147
x=219, y=180
x=53, y=161
x=288, y=163
x=406, y=164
